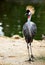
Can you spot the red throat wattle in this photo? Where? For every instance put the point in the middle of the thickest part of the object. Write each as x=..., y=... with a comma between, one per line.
x=28, y=16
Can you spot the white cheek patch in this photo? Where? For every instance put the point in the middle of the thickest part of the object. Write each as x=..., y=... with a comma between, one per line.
x=29, y=13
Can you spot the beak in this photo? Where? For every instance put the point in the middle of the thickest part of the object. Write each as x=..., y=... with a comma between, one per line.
x=26, y=14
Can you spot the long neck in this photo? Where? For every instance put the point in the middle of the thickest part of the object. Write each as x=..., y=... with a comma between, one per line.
x=29, y=18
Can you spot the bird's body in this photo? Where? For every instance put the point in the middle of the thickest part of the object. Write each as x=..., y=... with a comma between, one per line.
x=29, y=31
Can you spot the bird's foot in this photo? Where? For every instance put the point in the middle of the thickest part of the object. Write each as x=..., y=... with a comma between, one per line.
x=32, y=56
x=31, y=60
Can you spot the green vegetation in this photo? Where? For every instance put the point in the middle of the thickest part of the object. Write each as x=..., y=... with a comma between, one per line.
x=13, y=17
x=40, y=58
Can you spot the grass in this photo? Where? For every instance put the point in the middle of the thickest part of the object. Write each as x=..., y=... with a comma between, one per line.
x=41, y=58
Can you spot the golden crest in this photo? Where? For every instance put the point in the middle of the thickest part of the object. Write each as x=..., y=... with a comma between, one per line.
x=31, y=9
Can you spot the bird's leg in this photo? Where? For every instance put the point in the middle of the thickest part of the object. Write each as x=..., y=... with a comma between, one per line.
x=28, y=51
x=31, y=52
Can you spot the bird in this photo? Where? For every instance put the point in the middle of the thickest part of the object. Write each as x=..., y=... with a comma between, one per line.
x=29, y=30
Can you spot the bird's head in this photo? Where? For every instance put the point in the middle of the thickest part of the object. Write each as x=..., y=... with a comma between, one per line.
x=30, y=10
x=28, y=13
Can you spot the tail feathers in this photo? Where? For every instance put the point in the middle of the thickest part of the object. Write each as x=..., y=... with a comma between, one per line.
x=28, y=39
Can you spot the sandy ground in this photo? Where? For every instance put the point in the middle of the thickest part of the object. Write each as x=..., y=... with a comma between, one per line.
x=14, y=52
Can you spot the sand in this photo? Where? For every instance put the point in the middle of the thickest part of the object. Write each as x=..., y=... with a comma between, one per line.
x=14, y=51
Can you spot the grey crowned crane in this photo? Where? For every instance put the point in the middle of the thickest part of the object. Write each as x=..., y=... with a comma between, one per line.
x=29, y=30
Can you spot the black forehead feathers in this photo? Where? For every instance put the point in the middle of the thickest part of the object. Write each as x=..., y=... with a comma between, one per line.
x=27, y=11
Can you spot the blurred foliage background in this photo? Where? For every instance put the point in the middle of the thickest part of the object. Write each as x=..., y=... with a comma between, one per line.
x=12, y=16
